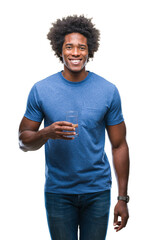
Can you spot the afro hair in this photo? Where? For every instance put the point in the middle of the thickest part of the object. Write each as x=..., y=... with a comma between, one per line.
x=70, y=24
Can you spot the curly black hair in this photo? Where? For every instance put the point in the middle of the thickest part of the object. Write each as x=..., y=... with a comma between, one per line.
x=70, y=24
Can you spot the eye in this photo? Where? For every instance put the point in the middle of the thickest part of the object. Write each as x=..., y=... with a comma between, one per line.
x=68, y=47
x=82, y=48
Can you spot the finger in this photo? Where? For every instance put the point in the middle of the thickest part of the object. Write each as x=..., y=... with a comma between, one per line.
x=75, y=125
x=61, y=123
x=67, y=138
x=65, y=133
x=115, y=219
x=64, y=128
x=122, y=224
x=123, y=221
x=118, y=228
x=118, y=223
x=68, y=128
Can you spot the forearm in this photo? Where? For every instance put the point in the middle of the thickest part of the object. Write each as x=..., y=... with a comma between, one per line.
x=31, y=140
x=121, y=165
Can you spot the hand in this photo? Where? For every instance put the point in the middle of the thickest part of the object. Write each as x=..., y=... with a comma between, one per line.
x=122, y=211
x=56, y=130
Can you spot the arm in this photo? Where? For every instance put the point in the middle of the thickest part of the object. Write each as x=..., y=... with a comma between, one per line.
x=117, y=136
x=31, y=138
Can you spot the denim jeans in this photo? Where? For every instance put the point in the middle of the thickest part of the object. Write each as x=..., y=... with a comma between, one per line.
x=65, y=212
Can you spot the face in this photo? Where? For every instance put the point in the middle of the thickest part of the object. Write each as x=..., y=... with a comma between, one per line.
x=75, y=52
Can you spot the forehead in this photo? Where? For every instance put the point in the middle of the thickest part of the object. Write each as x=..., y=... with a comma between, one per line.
x=75, y=38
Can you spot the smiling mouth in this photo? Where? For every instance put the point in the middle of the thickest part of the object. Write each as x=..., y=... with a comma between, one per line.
x=75, y=61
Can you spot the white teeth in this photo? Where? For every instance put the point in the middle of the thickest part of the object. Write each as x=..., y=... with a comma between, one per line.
x=75, y=61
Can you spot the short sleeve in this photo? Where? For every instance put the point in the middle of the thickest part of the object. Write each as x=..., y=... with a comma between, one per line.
x=114, y=114
x=33, y=109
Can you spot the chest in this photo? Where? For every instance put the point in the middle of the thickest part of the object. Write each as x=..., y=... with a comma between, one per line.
x=90, y=104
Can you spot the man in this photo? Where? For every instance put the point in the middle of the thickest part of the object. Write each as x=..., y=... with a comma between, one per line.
x=78, y=178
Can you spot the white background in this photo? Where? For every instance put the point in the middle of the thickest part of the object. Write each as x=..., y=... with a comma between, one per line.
x=26, y=58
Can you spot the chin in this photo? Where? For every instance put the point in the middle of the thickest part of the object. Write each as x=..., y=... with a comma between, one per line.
x=76, y=70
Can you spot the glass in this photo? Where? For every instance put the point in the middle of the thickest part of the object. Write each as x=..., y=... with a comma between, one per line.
x=72, y=117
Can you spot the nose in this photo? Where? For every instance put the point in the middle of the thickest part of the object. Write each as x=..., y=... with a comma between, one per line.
x=75, y=51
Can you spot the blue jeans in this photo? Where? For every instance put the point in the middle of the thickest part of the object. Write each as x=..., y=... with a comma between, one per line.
x=65, y=212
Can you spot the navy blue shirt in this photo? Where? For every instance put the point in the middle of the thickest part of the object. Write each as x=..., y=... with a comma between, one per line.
x=80, y=165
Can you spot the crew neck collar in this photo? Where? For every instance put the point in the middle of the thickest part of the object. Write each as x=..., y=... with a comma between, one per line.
x=75, y=83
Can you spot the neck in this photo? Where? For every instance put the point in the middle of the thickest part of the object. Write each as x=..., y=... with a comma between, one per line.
x=74, y=76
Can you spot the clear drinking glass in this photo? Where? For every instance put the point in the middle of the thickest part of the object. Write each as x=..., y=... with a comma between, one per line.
x=72, y=117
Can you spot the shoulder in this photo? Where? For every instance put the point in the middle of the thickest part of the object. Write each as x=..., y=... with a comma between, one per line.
x=42, y=88
x=46, y=81
x=105, y=88
x=103, y=83
x=46, y=85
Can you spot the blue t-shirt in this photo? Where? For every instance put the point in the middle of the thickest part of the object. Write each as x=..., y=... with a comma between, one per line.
x=80, y=165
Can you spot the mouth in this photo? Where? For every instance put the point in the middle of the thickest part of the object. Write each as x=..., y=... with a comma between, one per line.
x=75, y=61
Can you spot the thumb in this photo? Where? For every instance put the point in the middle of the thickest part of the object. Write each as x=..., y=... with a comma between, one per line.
x=115, y=219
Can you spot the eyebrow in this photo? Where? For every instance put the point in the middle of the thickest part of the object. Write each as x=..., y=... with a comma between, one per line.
x=84, y=45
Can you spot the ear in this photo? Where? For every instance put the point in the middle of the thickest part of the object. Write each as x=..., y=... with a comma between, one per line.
x=61, y=54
